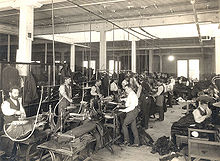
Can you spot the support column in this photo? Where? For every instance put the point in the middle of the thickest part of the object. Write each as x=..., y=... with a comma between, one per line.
x=161, y=63
x=45, y=55
x=26, y=27
x=102, y=52
x=133, y=56
x=150, y=61
x=9, y=47
x=217, y=53
x=72, y=57
x=25, y=34
x=62, y=55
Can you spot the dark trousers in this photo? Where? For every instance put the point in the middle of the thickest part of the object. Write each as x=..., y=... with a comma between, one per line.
x=170, y=97
x=130, y=119
x=160, y=106
x=160, y=110
x=145, y=108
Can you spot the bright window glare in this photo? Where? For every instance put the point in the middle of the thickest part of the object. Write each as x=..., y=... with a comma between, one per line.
x=194, y=69
x=91, y=65
x=182, y=68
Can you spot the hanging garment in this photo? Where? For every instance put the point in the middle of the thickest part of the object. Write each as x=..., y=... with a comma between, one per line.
x=10, y=78
x=30, y=89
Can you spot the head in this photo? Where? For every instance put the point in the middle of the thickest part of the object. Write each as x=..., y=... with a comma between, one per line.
x=127, y=78
x=14, y=92
x=115, y=80
x=67, y=80
x=98, y=82
x=128, y=89
x=204, y=100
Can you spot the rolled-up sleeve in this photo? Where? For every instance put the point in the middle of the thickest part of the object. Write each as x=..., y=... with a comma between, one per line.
x=131, y=102
x=6, y=110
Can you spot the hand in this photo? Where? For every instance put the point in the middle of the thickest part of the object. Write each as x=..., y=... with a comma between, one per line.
x=17, y=112
x=23, y=115
x=121, y=110
x=70, y=100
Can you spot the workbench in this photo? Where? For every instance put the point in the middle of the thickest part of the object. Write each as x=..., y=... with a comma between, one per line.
x=69, y=145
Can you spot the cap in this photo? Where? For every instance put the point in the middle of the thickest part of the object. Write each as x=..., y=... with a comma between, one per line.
x=205, y=99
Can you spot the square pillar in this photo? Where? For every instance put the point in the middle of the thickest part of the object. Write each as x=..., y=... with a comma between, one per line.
x=102, y=52
x=161, y=63
x=151, y=61
x=133, y=56
x=72, y=57
x=217, y=53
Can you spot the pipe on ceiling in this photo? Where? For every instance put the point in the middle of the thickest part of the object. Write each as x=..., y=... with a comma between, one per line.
x=196, y=19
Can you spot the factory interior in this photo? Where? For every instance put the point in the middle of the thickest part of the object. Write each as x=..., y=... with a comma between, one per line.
x=109, y=80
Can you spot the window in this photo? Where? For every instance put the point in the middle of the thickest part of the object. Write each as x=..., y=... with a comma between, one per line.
x=91, y=65
x=194, y=69
x=111, y=66
x=188, y=68
x=182, y=68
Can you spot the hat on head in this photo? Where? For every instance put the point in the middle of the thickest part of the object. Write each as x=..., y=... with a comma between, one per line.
x=205, y=99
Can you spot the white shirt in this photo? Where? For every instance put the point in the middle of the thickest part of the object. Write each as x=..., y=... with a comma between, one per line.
x=198, y=117
x=94, y=91
x=131, y=102
x=160, y=89
x=63, y=92
x=8, y=111
x=113, y=87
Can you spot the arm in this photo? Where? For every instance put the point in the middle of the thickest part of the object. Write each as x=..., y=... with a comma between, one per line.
x=198, y=117
x=131, y=103
x=6, y=110
x=159, y=91
x=139, y=91
x=93, y=91
x=63, y=93
x=21, y=108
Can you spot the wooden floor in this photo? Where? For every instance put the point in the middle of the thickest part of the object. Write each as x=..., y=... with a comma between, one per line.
x=143, y=153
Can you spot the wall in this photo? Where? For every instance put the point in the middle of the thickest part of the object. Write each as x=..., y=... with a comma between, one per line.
x=206, y=63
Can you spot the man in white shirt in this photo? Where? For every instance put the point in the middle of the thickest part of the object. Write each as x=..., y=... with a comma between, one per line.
x=65, y=94
x=131, y=115
x=160, y=99
x=12, y=110
x=12, y=107
x=95, y=90
x=96, y=95
x=114, y=89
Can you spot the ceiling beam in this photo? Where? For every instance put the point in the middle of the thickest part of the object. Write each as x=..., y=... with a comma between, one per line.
x=9, y=4
x=186, y=18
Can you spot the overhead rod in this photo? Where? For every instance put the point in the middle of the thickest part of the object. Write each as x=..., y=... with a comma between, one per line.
x=196, y=19
x=140, y=33
x=71, y=1
x=148, y=33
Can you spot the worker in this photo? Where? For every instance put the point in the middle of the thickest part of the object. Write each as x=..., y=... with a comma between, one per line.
x=96, y=95
x=131, y=103
x=65, y=98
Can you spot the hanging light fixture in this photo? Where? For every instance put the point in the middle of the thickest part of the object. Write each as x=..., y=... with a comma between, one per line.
x=171, y=58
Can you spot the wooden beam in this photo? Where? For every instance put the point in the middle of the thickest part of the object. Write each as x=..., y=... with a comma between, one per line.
x=161, y=20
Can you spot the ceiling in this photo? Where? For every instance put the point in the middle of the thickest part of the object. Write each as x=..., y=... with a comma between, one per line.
x=77, y=20
x=67, y=13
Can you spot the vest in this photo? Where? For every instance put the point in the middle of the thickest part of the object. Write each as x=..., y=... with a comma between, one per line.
x=9, y=119
x=203, y=113
x=64, y=102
